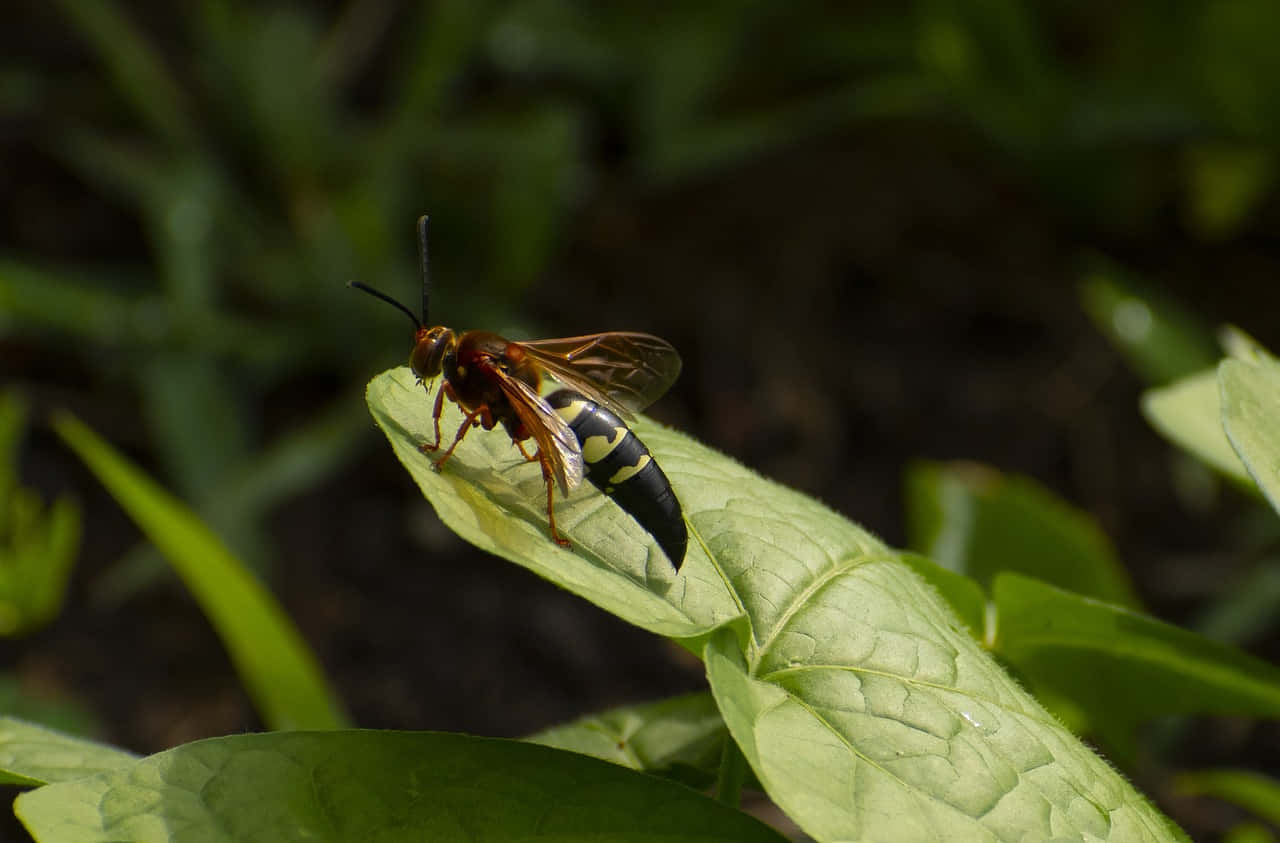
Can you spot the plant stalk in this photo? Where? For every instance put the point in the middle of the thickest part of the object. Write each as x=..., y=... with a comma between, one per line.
x=733, y=771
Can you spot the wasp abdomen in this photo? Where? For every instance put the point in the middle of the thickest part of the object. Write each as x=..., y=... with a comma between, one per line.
x=619, y=464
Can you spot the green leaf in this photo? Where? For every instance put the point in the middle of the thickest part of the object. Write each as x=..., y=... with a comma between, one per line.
x=1256, y=793
x=974, y=520
x=1240, y=345
x=683, y=733
x=493, y=498
x=861, y=702
x=34, y=755
x=1121, y=666
x=1251, y=417
x=377, y=786
x=920, y=739
x=1188, y=414
x=966, y=597
x=278, y=670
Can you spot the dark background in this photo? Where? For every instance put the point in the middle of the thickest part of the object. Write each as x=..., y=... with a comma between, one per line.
x=865, y=231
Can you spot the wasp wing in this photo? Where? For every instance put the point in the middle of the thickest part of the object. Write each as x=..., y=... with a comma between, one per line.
x=622, y=370
x=555, y=439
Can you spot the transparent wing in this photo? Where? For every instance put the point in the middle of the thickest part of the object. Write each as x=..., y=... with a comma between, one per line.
x=621, y=370
x=554, y=437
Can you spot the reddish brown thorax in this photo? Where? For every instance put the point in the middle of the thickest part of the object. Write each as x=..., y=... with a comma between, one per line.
x=480, y=353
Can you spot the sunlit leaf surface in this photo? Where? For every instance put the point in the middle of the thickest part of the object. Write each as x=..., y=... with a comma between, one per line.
x=1251, y=417
x=1188, y=413
x=33, y=755
x=861, y=701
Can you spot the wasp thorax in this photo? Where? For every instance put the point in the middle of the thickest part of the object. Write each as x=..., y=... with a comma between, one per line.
x=429, y=350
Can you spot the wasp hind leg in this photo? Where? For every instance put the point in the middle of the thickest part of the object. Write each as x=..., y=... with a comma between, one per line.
x=550, y=480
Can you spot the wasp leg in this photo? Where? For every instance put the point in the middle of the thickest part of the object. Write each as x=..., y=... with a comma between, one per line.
x=551, y=512
x=445, y=388
x=467, y=423
x=549, y=479
x=527, y=456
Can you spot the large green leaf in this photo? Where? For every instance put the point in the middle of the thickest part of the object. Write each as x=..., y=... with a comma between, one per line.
x=898, y=728
x=377, y=786
x=278, y=670
x=33, y=755
x=862, y=703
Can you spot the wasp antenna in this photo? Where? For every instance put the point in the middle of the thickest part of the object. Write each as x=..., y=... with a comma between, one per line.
x=386, y=298
x=426, y=264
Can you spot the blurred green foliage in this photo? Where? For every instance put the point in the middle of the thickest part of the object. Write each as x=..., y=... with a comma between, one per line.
x=1160, y=339
x=973, y=520
x=1257, y=793
x=38, y=544
x=269, y=152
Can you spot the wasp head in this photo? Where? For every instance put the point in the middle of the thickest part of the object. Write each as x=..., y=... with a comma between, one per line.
x=432, y=349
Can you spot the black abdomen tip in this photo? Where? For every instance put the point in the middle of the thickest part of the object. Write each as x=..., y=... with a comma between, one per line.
x=620, y=465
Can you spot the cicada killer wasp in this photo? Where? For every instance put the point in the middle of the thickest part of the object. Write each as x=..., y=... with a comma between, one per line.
x=577, y=430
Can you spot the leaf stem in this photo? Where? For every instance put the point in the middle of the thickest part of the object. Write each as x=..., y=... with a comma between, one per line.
x=733, y=771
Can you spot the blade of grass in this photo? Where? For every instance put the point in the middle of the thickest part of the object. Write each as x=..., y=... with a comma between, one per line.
x=279, y=672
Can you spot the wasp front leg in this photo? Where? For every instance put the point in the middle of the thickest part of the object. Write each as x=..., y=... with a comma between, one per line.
x=446, y=389
x=474, y=418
